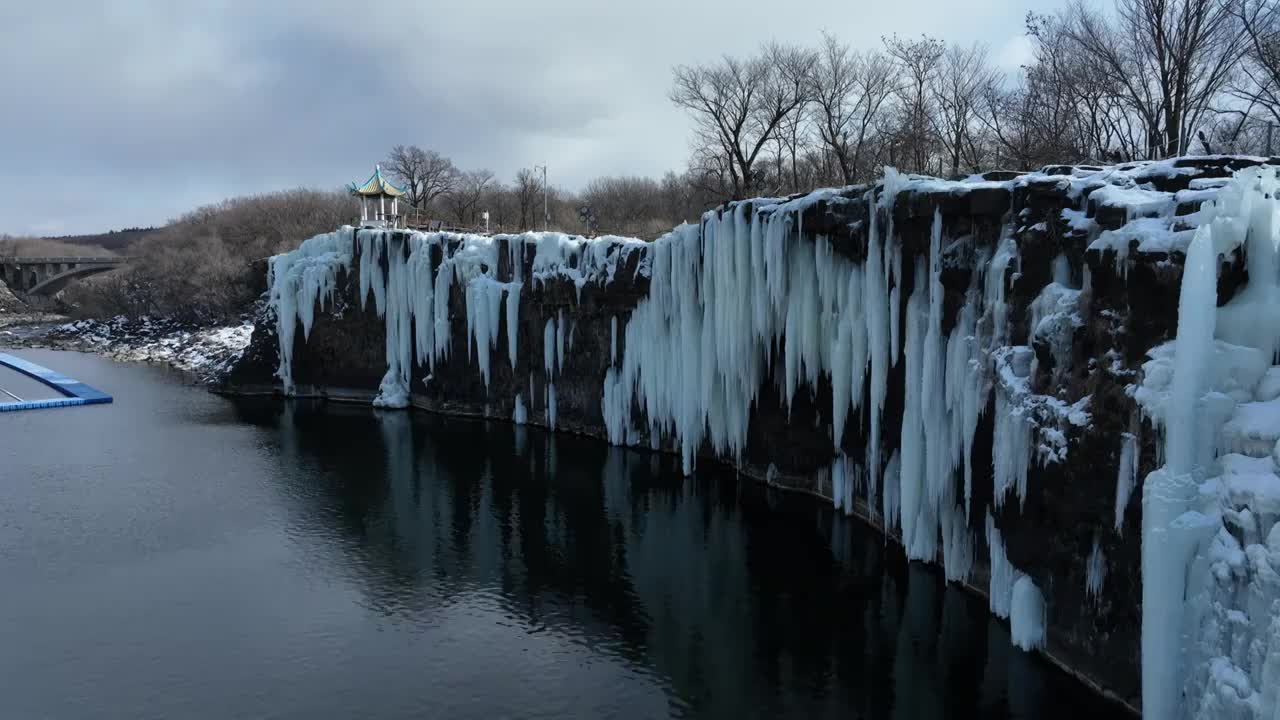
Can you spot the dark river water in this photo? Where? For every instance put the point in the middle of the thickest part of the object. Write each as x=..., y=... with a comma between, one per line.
x=183, y=555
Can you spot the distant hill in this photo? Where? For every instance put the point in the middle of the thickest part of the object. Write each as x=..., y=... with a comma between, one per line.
x=116, y=240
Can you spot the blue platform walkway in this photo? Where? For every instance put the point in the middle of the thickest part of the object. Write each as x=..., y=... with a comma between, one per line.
x=76, y=392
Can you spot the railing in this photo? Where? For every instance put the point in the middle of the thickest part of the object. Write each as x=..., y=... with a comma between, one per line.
x=416, y=218
x=419, y=219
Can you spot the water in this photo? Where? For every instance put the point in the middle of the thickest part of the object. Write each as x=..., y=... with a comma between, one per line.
x=179, y=554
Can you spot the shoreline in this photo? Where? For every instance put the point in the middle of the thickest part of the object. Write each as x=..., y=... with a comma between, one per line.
x=203, y=352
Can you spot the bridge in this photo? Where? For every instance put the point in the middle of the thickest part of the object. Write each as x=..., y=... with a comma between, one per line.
x=48, y=275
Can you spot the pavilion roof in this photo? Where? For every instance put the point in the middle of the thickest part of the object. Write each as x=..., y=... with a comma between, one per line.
x=376, y=185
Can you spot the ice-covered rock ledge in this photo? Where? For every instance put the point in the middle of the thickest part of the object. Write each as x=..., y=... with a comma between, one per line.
x=979, y=367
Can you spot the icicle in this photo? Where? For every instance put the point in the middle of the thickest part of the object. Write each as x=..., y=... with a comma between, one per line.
x=613, y=340
x=560, y=331
x=1167, y=546
x=422, y=284
x=515, y=250
x=520, y=415
x=877, y=318
x=478, y=328
x=843, y=484
x=918, y=523
x=615, y=406
x=958, y=545
x=1026, y=615
x=549, y=347
x=443, y=338
x=889, y=512
x=1010, y=450
x=513, y=321
x=1127, y=476
x=395, y=305
x=1003, y=574
x=1095, y=571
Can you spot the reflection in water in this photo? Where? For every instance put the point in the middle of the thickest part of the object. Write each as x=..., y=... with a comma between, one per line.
x=736, y=603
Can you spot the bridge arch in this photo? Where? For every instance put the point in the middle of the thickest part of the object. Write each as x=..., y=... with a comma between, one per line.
x=47, y=275
x=53, y=283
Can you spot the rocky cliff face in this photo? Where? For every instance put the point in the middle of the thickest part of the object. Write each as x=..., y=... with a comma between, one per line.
x=956, y=362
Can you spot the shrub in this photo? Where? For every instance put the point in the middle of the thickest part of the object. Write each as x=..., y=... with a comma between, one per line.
x=200, y=267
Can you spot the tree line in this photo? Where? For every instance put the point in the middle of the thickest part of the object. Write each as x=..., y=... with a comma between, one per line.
x=630, y=205
x=1137, y=79
x=1140, y=79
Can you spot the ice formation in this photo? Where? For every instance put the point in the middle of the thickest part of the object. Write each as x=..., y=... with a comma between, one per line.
x=1211, y=596
x=409, y=276
x=520, y=415
x=746, y=295
x=299, y=282
x=1095, y=571
x=1026, y=615
x=1126, y=475
x=1003, y=574
x=742, y=296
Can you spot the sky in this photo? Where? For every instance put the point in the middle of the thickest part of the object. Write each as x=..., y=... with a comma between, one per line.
x=130, y=112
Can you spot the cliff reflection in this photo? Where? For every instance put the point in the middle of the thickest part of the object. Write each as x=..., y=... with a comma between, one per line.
x=742, y=604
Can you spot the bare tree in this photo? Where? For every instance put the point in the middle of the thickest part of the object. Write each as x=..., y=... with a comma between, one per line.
x=464, y=199
x=1066, y=106
x=918, y=61
x=500, y=201
x=793, y=138
x=739, y=104
x=963, y=76
x=1168, y=60
x=1254, y=91
x=626, y=205
x=426, y=174
x=528, y=190
x=850, y=91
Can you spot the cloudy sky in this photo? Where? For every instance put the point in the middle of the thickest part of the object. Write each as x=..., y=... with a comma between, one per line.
x=129, y=112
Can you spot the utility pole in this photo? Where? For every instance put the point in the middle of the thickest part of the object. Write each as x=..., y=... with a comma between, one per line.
x=1270, y=126
x=546, y=217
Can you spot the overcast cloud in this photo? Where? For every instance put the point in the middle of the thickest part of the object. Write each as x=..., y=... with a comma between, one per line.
x=130, y=112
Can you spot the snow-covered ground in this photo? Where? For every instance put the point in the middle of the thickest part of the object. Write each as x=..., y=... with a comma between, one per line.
x=206, y=353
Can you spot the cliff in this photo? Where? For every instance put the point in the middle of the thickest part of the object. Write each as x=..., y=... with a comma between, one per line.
x=981, y=368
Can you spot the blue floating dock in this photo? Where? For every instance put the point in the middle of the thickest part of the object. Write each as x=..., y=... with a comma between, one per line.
x=75, y=392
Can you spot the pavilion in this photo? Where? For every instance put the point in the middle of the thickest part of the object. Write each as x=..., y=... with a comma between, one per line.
x=378, y=187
